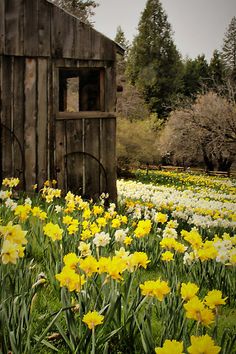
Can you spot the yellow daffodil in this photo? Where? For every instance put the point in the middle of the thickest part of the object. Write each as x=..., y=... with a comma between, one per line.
x=71, y=260
x=161, y=218
x=197, y=311
x=143, y=228
x=188, y=291
x=194, y=307
x=10, y=182
x=22, y=211
x=89, y=265
x=53, y=231
x=167, y=256
x=203, y=345
x=70, y=279
x=154, y=288
x=9, y=253
x=214, y=299
x=170, y=347
x=93, y=319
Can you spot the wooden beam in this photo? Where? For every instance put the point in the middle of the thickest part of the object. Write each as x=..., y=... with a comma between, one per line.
x=84, y=115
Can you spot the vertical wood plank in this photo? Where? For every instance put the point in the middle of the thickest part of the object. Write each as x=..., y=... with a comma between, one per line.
x=92, y=168
x=75, y=158
x=63, y=39
x=18, y=117
x=69, y=37
x=110, y=87
x=53, y=106
x=2, y=27
x=0, y=119
x=42, y=121
x=44, y=28
x=31, y=27
x=6, y=117
x=107, y=48
x=30, y=122
x=84, y=44
x=102, y=90
x=14, y=27
x=60, y=148
x=108, y=156
x=95, y=38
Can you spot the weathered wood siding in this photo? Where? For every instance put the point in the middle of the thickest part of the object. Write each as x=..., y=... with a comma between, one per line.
x=24, y=119
x=37, y=142
x=39, y=28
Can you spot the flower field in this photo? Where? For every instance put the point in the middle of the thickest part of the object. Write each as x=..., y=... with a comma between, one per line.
x=155, y=273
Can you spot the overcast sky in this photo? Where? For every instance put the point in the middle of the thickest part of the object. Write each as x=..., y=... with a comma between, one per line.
x=199, y=25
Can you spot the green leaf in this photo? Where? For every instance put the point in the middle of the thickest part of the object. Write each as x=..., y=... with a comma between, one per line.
x=64, y=336
x=47, y=329
x=47, y=344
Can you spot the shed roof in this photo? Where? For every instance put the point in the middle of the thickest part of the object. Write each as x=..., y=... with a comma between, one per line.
x=41, y=28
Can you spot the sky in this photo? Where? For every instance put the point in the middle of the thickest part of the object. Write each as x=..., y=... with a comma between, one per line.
x=199, y=26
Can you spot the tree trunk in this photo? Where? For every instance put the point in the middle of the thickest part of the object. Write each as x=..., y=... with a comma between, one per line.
x=207, y=160
x=224, y=164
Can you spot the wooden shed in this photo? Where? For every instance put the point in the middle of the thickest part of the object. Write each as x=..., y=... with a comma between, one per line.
x=57, y=99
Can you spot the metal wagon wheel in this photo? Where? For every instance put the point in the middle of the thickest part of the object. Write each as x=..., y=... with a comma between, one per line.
x=94, y=158
x=13, y=137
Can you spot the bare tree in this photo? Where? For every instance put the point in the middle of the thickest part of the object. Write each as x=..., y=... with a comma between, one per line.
x=204, y=133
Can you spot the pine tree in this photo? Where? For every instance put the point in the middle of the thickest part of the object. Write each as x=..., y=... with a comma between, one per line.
x=216, y=70
x=196, y=77
x=229, y=50
x=130, y=103
x=83, y=9
x=120, y=38
x=154, y=64
x=191, y=84
x=121, y=59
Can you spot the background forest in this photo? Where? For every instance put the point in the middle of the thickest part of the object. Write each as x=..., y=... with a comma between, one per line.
x=171, y=110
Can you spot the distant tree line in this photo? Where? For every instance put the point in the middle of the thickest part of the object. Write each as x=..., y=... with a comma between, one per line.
x=193, y=100
x=155, y=67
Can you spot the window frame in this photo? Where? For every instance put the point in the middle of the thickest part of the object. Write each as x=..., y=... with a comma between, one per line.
x=84, y=113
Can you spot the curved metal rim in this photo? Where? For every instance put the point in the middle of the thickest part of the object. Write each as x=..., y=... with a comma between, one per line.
x=20, y=147
x=93, y=157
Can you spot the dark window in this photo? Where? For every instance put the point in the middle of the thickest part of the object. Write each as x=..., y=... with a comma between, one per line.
x=81, y=90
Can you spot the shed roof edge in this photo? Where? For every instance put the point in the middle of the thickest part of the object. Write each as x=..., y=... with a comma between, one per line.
x=119, y=48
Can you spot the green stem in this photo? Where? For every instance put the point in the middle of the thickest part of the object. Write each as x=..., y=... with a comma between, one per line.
x=197, y=328
x=93, y=341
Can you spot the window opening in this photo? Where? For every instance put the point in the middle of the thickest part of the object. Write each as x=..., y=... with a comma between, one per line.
x=80, y=89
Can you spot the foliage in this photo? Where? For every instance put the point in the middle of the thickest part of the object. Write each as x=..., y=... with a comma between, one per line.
x=130, y=103
x=204, y=133
x=136, y=141
x=229, y=50
x=154, y=64
x=195, y=77
x=83, y=9
x=120, y=38
x=217, y=70
x=187, y=180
